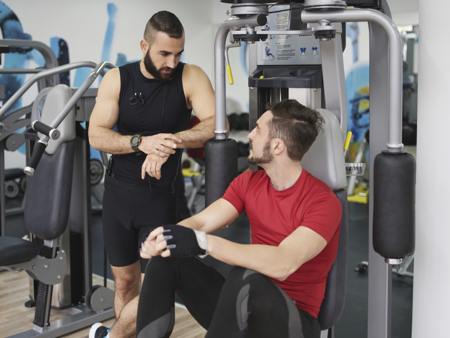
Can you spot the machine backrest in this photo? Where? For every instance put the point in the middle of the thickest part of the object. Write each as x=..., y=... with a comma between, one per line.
x=47, y=198
x=47, y=105
x=325, y=160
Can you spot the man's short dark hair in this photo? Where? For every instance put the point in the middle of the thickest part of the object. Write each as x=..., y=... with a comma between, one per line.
x=165, y=22
x=297, y=125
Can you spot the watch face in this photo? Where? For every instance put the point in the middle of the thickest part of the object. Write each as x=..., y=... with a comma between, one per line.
x=135, y=140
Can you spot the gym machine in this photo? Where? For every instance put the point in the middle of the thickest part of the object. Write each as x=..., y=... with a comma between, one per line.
x=57, y=208
x=392, y=171
x=12, y=122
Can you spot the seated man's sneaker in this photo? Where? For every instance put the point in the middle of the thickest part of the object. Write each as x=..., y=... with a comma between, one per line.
x=98, y=330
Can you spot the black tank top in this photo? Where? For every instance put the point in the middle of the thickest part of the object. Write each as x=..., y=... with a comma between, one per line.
x=149, y=107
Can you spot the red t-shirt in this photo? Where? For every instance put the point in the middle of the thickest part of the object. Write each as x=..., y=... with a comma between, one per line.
x=274, y=215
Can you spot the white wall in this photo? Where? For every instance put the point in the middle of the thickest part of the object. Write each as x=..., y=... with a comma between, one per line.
x=83, y=23
x=405, y=12
x=432, y=257
x=400, y=7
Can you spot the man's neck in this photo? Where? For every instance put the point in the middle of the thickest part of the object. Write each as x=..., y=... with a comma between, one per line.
x=283, y=175
x=144, y=71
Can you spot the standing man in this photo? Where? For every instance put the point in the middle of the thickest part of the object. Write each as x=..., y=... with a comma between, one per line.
x=141, y=117
x=278, y=283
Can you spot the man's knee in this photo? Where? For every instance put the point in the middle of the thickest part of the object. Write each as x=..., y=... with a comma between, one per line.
x=244, y=281
x=248, y=293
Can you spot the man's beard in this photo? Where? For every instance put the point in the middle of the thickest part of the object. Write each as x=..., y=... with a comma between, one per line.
x=266, y=155
x=156, y=73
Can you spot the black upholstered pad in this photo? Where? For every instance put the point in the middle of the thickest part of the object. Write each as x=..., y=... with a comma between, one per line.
x=16, y=250
x=333, y=303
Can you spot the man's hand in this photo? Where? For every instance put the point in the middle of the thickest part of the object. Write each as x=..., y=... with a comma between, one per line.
x=183, y=242
x=160, y=144
x=152, y=165
x=154, y=244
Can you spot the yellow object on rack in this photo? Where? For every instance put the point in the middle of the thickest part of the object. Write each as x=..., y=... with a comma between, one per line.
x=348, y=138
x=188, y=172
x=360, y=195
x=230, y=74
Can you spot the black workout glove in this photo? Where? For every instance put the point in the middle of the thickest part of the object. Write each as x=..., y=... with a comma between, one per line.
x=184, y=242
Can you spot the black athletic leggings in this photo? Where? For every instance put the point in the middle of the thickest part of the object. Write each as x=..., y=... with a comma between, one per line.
x=246, y=304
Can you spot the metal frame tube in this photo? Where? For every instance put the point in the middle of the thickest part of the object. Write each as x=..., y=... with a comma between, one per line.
x=219, y=69
x=49, y=57
x=380, y=273
x=19, y=71
x=395, y=61
x=56, y=70
x=79, y=93
x=46, y=51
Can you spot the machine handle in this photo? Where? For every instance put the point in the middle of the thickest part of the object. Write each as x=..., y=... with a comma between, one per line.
x=38, y=151
x=40, y=127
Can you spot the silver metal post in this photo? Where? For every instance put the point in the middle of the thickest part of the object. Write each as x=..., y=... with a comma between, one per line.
x=395, y=61
x=219, y=69
x=380, y=273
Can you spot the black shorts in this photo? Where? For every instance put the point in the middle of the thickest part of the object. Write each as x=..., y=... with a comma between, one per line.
x=130, y=212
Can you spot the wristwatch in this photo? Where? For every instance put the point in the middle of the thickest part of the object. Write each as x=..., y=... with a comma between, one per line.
x=135, y=141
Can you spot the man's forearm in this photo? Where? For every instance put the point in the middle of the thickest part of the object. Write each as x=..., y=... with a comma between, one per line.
x=192, y=222
x=110, y=141
x=266, y=259
x=197, y=135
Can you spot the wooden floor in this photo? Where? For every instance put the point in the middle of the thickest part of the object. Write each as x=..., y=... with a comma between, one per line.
x=15, y=317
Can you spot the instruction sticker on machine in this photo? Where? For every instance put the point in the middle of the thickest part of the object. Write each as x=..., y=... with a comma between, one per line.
x=286, y=49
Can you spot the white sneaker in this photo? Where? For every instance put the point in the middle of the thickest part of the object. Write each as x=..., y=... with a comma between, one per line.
x=98, y=330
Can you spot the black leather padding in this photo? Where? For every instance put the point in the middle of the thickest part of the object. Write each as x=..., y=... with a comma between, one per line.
x=15, y=250
x=47, y=199
x=333, y=303
x=221, y=167
x=394, y=204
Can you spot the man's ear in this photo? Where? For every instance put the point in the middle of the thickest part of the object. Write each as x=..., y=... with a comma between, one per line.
x=278, y=146
x=144, y=46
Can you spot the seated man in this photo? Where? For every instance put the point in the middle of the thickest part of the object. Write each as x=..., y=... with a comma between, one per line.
x=278, y=282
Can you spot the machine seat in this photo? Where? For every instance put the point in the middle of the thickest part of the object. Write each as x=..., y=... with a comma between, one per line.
x=16, y=250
